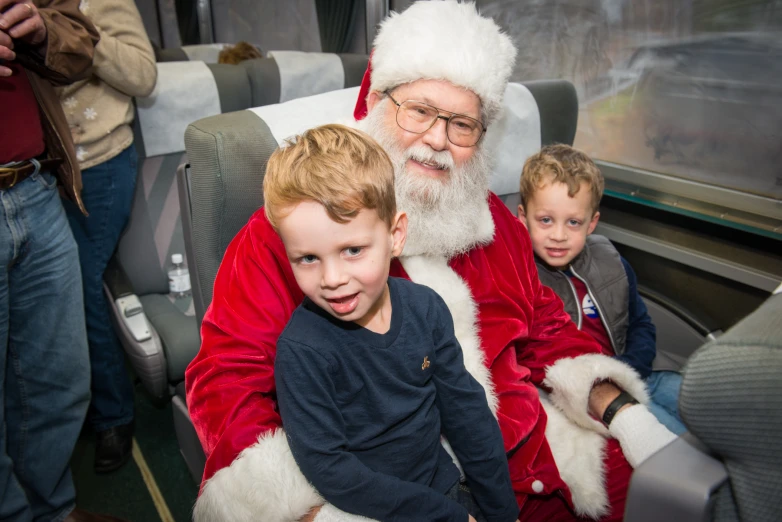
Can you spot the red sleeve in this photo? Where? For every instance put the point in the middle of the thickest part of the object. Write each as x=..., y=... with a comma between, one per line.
x=230, y=383
x=552, y=334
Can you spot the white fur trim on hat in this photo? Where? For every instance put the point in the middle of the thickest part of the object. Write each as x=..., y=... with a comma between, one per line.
x=444, y=41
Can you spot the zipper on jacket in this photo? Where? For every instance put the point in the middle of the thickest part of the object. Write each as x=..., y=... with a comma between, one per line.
x=578, y=303
x=517, y=447
x=63, y=148
x=599, y=311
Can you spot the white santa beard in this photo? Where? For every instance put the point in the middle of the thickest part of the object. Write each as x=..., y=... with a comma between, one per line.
x=444, y=216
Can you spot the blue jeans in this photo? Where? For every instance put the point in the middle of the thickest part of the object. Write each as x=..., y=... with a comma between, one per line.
x=664, y=394
x=44, y=365
x=108, y=196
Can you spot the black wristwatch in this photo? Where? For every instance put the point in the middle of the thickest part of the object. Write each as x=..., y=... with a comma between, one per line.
x=621, y=400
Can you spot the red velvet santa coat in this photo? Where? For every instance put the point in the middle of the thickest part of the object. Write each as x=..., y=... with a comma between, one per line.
x=505, y=320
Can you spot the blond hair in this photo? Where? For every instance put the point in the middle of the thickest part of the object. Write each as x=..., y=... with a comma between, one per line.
x=341, y=168
x=561, y=163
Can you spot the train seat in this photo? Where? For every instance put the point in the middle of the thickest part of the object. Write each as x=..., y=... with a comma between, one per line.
x=159, y=332
x=679, y=331
x=729, y=467
x=207, y=53
x=282, y=75
x=222, y=186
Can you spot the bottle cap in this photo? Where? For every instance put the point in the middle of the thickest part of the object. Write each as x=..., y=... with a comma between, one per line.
x=176, y=258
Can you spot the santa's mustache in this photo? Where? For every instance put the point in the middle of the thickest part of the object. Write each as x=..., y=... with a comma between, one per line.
x=439, y=159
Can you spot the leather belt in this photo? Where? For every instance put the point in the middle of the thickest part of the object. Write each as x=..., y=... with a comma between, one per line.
x=10, y=176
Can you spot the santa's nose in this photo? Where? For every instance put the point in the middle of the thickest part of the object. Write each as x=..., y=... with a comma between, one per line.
x=437, y=136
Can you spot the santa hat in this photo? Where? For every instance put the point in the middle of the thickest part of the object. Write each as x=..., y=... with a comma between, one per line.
x=441, y=41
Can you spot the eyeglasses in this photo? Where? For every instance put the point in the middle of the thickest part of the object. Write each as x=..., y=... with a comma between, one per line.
x=418, y=117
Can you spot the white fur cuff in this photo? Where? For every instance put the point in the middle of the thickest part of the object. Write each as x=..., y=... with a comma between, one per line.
x=639, y=433
x=571, y=381
x=328, y=513
x=262, y=483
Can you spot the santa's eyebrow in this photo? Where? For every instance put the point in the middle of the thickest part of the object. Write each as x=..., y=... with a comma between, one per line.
x=429, y=101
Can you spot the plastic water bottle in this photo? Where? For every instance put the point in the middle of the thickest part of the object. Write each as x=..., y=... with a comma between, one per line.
x=178, y=277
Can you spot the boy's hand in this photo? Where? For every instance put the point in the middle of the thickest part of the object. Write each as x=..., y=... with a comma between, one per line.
x=309, y=517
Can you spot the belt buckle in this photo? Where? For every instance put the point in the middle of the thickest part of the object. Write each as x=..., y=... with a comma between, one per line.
x=6, y=172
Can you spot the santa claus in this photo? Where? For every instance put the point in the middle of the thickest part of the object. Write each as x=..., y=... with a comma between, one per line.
x=570, y=417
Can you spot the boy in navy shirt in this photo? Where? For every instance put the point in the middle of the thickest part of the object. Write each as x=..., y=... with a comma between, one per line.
x=368, y=371
x=561, y=189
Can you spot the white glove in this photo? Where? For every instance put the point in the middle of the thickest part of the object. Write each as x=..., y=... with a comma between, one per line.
x=639, y=433
x=328, y=513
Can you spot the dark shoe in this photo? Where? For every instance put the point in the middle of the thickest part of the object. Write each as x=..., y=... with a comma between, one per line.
x=79, y=515
x=113, y=448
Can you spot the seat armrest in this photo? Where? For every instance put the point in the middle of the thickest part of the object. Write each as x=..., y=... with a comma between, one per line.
x=676, y=483
x=139, y=339
x=116, y=280
x=127, y=306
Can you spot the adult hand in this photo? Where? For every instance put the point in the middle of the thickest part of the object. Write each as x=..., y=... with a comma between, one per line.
x=6, y=53
x=21, y=20
x=601, y=396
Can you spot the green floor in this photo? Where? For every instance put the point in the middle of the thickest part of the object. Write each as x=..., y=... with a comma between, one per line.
x=124, y=493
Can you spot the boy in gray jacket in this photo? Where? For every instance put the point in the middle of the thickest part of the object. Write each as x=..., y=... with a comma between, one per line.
x=561, y=189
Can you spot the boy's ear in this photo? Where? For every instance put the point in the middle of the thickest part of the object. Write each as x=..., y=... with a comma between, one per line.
x=398, y=234
x=593, y=223
x=522, y=216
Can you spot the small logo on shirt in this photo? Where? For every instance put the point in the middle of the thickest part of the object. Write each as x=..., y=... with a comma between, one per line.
x=426, y=363
x=590, y=310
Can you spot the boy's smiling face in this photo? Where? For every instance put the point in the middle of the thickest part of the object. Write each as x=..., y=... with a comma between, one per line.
x=559, y=224
x=343, y=267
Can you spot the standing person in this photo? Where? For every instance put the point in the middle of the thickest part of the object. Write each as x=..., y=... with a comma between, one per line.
x=561, y=188
x=569, y=415
x=99, y=110
x=368, y=369
x=44, y=364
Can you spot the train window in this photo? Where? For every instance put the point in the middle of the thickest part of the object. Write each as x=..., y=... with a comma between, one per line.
x=680, y=100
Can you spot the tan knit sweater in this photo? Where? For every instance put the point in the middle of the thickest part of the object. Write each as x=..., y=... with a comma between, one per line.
x=100, y=109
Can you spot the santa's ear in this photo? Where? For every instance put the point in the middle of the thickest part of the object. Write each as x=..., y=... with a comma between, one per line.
x=522, y=215
x=373, y=99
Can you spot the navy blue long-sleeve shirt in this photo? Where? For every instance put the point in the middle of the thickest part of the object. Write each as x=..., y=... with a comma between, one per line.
x=641, y=344
x=364, y=412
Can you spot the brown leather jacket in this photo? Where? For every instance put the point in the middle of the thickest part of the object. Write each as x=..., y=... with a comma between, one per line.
x=65, y=57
